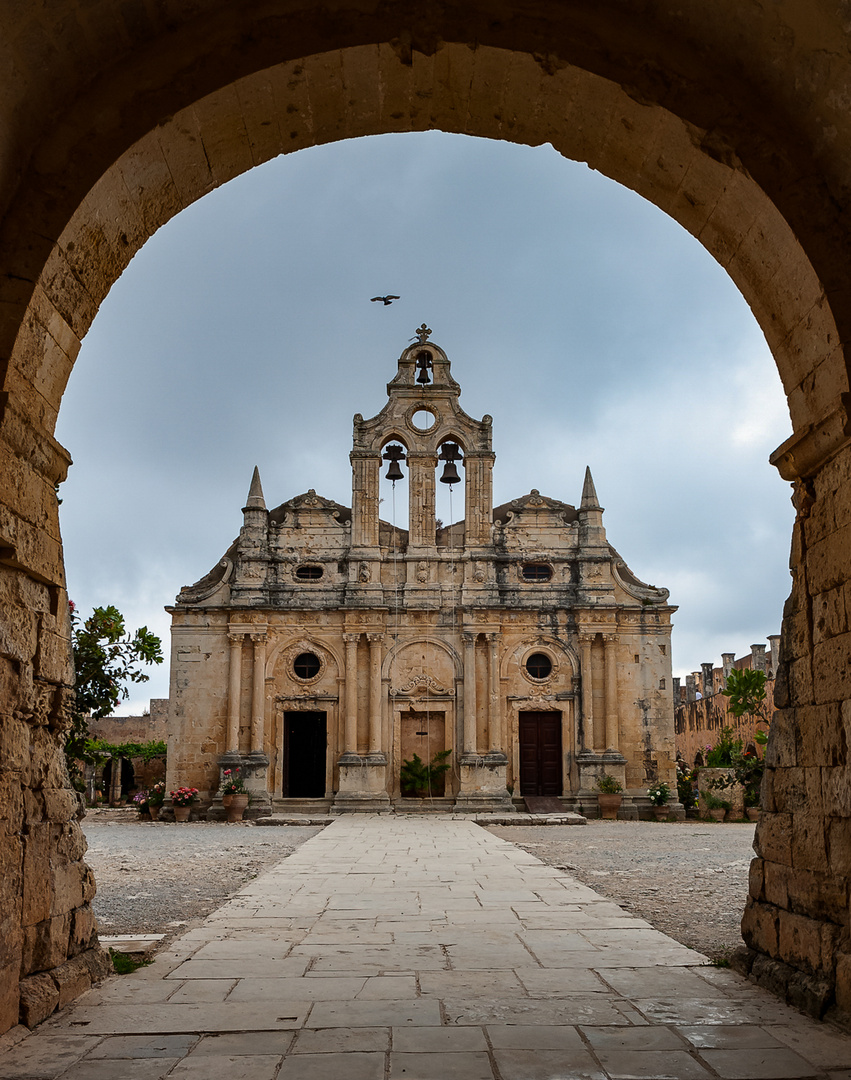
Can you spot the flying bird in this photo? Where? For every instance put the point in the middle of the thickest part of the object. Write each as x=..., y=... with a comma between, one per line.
x=385, y=299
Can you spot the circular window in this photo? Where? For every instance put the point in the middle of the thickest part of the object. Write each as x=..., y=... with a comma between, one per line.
x=539, y=665
x=423, y=419
x=307, y=665
x=309, y=573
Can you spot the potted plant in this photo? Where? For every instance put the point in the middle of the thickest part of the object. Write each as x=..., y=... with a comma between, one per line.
x=609, y=797
x=234, y=796
x=659, y=794
x=140, y=800
x=156, y=797
x=419, y=780
x=717, y=807
x=686, y=784
x=182, y=800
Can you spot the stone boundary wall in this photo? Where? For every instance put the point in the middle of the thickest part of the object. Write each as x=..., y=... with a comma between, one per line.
x=145, y=728
x=49, y=950
x=698, y=724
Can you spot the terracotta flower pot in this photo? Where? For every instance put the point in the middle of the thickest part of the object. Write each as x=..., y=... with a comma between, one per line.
x=235, y=807
x=752, y=812
x=719, y=814
x=154, y=811
x=609, y=805
x=661, y=813
x=181, y=813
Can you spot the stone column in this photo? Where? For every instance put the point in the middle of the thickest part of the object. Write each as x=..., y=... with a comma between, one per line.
x=496, y=736
x=690, y=688
x=612, y=717
x=774, y=650
x=258, y=694
x=707, y=680
x=375, y=726
x=758, y=657
x=234, y=692
x=676, y=684
x=470, y=694
x=478, y=498
x=587, y=693
x=365, y=470
x=727, y=659
x=350, y=720
x=421, y=520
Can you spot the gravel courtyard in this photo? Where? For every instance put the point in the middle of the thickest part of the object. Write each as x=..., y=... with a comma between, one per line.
x=688, y=880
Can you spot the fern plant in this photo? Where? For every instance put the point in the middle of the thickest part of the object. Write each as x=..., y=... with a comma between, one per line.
x=418, y=779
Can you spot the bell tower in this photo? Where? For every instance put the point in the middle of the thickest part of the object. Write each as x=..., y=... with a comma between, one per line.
x=421, y=426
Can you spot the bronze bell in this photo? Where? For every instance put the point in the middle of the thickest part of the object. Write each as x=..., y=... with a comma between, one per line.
x=423, y=363
x=394, y=454
x=450, y=474
x=450, y=454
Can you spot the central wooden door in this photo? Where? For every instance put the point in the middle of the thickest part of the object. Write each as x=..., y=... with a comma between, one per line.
x=424, y=734
x=305, y=748
x=540, y=753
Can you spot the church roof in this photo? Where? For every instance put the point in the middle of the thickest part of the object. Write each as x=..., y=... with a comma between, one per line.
x=534, y=501
x=309, y=500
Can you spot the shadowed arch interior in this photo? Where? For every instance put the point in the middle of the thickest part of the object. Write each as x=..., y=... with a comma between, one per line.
x=731, y=120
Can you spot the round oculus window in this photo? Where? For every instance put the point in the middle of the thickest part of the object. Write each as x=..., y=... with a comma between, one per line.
x=423, y=420
x=307, y=665
x=539, y=665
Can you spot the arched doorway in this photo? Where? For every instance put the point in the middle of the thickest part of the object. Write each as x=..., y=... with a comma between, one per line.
x=114, y=128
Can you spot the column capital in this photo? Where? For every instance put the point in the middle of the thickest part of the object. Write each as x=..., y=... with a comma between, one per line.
x=608, y=638
x=586, y=637
x=375, y=638
x=259, y=636
x=235, y=638
x=351, y=639
x=469, y=637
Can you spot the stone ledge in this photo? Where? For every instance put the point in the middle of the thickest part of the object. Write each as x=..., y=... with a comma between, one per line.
x=476, y=818
x=294, y=819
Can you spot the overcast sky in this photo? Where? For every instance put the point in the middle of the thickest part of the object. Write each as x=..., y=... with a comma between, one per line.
x=592, y=328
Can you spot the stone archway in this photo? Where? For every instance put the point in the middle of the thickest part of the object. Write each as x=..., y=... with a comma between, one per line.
x=731, y=119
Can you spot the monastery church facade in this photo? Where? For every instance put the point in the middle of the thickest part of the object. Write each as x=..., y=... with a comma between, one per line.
x=328, y=646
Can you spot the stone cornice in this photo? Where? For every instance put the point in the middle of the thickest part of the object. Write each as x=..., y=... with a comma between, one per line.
x=807, y=451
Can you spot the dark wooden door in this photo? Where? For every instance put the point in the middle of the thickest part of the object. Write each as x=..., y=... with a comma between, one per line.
x=540, y=753
x=305, y=746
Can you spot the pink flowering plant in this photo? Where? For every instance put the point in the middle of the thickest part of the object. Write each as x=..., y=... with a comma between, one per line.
x=156, y=794
x=232, y=782
x=184, y=796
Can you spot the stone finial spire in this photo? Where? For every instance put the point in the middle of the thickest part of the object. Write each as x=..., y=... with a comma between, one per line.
x=255, y=493
x=592, y=532
x=589, y=493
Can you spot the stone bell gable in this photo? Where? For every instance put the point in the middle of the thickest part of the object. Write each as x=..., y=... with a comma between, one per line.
x=328, y=645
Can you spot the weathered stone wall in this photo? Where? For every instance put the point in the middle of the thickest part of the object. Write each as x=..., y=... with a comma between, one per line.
x=698, y=723
x=797, y=917
x=122, y=729
x=49, y=951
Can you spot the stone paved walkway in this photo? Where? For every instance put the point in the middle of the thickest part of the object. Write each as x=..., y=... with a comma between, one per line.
x=425, y=949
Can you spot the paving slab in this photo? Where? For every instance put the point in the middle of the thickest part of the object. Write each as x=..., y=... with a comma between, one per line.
x=425, y=948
